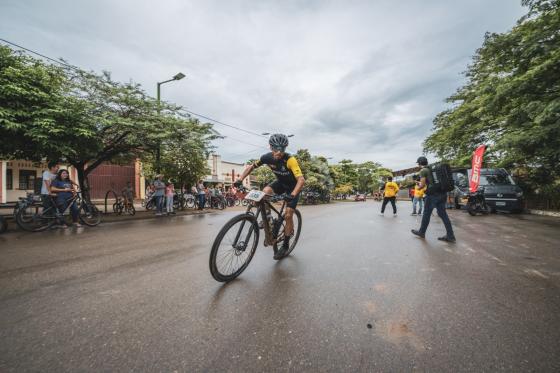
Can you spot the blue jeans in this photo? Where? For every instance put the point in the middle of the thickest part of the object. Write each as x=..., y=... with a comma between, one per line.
x=436, y=201
x=201, y=201
x=159, y=204
x=417, y=201
x=62, y=205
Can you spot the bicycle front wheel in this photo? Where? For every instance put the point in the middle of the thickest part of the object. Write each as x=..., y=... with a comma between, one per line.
x=234, y=247
x=90, y=215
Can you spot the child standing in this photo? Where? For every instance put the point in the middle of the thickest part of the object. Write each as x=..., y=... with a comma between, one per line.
x=418, y=198
x=169, y=193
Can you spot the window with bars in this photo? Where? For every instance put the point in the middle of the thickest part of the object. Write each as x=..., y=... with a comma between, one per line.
x=27, y=179
x=9, y=179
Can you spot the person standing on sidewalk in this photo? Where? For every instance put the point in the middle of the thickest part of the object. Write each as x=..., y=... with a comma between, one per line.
x=128, y=194
x=159, y=194
x=48, y=176
x=418, y=198
x=390, y=195
x=169, y=194
x=201, y=195
x=434, y=200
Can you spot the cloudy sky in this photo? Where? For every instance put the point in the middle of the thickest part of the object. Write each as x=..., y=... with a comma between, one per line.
x=350, y=79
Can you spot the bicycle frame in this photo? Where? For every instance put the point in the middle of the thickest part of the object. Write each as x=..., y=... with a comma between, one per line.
x=57, y=213
x=261, y=212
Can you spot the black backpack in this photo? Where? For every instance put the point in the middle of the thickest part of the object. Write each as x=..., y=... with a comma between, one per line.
x=442, y=179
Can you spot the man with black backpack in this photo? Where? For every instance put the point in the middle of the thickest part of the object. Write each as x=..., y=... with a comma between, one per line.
x=439, y=181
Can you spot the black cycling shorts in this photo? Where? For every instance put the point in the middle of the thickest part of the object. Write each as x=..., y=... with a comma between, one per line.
x=280, y=188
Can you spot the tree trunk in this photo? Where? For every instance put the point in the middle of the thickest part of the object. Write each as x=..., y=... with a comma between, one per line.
x=83, y=180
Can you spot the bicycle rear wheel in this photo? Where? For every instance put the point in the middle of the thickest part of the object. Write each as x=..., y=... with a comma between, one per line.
x=190, y=203
x=150, y=205
x=279, y=232
x=234, y=247
x=32, y=218
x=89, y=214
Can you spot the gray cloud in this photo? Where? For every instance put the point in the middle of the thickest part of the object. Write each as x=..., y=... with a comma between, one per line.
x=351, y=79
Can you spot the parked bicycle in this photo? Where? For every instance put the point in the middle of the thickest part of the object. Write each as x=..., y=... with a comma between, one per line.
x=149, y=202
x=476, y=203
x=120, y=206
x=33, y=217
x=237, y=241
x=217, y=202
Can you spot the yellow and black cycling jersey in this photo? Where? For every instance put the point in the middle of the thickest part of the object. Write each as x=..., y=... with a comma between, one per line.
x=286, y=169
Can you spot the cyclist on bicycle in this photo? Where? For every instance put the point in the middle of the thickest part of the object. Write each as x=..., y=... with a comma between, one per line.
x=289, y=180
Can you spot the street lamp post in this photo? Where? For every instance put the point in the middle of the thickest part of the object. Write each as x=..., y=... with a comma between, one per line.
x=177, y=76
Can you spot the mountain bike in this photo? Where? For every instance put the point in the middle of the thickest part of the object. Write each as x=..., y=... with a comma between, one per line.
x=182, y=200
x=149, y=202
x=230, y=201
x=217, y=202
x=477, y=203
x=35, y=218
x=120, y=206
x=190, y=200
x=237, y=241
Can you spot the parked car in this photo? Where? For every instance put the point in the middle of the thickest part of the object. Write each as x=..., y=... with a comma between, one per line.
x=360, y=198
x=500, y=191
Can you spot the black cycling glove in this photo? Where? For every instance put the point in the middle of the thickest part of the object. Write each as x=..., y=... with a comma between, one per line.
x=289, y=198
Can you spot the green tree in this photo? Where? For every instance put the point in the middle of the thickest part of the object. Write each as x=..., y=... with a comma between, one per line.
x=511, y=100
x=315, y=170
x=87, y=119
x=31, y=99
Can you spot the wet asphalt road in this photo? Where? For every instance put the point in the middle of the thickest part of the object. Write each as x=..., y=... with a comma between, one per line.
x=138, y=296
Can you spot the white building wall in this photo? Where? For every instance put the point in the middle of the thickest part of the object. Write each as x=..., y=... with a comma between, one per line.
x=221, y=171
x=13, y=194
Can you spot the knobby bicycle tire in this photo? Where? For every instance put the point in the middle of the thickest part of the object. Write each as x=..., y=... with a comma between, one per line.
x=252, y=233
x=34, y=222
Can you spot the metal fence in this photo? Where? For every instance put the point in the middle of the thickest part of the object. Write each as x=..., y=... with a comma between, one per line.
x=536, y=203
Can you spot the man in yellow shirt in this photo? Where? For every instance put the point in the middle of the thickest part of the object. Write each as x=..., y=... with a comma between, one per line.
x=418, y=198
x=390, y=195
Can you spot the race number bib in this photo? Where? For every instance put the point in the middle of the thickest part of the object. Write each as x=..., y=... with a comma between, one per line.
x=255, y=195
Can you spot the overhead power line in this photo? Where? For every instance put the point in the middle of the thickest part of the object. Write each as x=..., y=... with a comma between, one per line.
x=222, y=123
x=77, y=68
x=41, y=55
